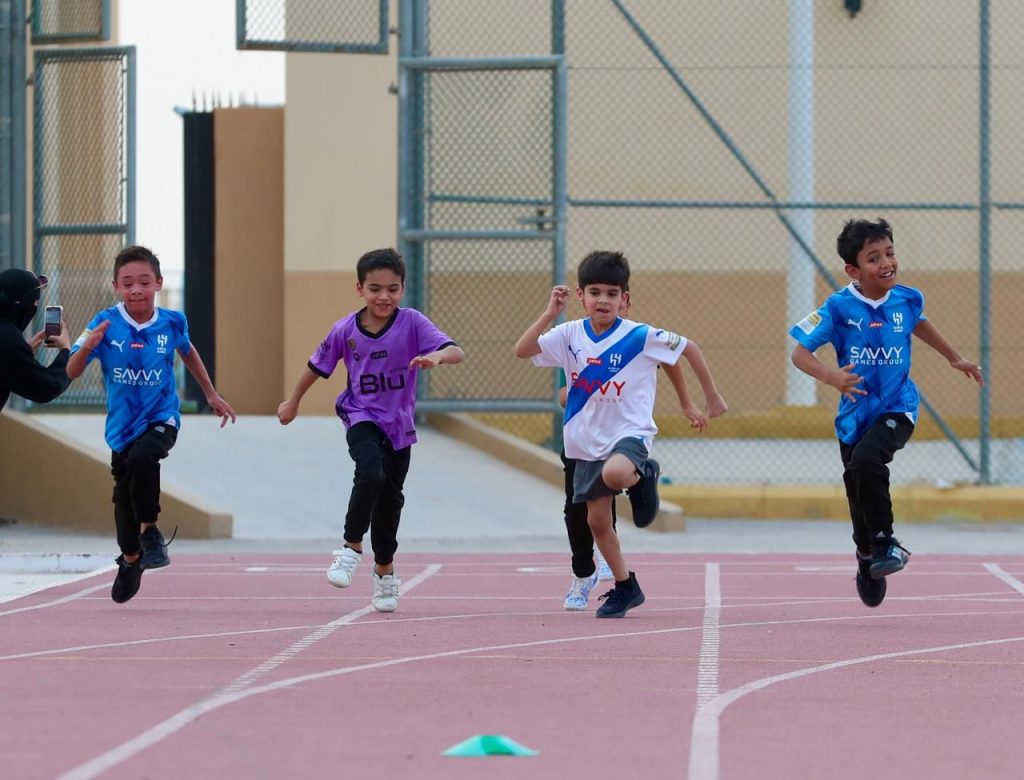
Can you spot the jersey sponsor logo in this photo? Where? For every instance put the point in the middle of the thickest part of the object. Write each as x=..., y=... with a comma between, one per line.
x=138, y=377
x=856, y=324
x=593, y=386
x=371, y=384
x=876, y=324
x=380, y=353
x=876, y=356
x=118, y=344
x=594, y=361
x=810, y=322
x=137, y=345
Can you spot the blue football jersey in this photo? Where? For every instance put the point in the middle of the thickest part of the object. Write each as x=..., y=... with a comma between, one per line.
x=138, y=370
x=876, y=337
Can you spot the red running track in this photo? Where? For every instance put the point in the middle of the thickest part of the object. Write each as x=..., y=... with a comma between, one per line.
x=736, y=667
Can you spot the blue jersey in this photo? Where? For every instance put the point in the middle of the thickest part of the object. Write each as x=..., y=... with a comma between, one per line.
x=138, y=370
x=876, y=337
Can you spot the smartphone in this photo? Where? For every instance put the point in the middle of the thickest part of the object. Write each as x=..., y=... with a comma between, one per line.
x=53, y=320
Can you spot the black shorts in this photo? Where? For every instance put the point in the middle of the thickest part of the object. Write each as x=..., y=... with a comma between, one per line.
x=587, y=483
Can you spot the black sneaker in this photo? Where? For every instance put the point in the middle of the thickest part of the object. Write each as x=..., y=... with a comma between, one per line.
x=871, y=592
x=888, y=556
x=620, y=599
x=643, y=496
x=126, y=583
x=154, y=548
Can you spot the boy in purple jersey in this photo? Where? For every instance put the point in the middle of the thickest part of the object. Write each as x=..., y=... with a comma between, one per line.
x=382, y=345
x=135, y=343
x=870, y=323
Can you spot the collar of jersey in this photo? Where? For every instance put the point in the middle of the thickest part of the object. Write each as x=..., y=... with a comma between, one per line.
x=594, y=337
x=138, y=326
x=861, y=297
x=382, y=331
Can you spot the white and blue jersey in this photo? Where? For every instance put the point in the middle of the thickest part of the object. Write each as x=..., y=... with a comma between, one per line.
x=876, y=337
x=612, y=380
x=138, y=370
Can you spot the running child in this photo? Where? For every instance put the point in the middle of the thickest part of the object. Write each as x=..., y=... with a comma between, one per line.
x=382, y=346
x=869, y=323
x=135, y=342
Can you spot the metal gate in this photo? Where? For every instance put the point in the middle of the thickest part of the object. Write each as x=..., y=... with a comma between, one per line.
x=83, y=182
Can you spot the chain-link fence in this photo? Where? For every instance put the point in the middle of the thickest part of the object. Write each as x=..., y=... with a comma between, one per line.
x=82, y=183
x=54, y=21
x=721, y=147
x=359, y=27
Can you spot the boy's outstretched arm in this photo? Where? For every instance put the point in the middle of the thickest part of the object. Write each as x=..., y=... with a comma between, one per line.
x=930, y=335
x=842, y=379
x=77, y=362
x=674, y=372
x=713, y=400
x=528, y=346
x=288, y=410
x=194, y=363
x=451, y=354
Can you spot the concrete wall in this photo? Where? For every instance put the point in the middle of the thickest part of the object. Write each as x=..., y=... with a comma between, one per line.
x=47, y=480
x=249, y=239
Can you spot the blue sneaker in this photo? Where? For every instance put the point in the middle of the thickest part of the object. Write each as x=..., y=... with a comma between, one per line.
x=579, y=592
x=888, y=556
x=620, y=599
x=643, y=496
x=871, y=591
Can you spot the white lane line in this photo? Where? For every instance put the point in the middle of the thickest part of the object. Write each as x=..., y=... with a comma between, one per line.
x=238, y=689
x=57, y=602
x=704, y=763
x=1006, y=577
x=247, y=679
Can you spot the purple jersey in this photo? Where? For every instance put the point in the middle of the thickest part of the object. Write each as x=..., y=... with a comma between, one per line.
x=381, y=388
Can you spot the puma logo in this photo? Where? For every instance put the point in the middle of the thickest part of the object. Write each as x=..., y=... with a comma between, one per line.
x=574, y=352
x=118, y=344
x=856, y=324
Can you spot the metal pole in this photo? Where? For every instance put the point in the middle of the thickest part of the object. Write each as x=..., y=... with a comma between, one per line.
x=800, y=388
x=130, y=107
x=559, y=174
x=7, y=32
x=984, y=235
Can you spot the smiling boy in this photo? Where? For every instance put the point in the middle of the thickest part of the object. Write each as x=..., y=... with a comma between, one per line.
x=869, y=323
x=608, y=427
x=135, y=342
x=382, y=346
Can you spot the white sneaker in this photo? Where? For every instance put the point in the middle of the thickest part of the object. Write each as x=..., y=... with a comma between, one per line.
x=345, y=561
x=579, y=592
x=385, y=592
x=604, y=571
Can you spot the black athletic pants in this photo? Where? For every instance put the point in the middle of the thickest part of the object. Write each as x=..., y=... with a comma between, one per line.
x=136, y=472
x=866, y=476
x=581, y=540
x=377, y=498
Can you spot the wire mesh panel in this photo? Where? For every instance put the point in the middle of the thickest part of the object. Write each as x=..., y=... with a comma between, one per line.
x=355, y=26
x=490, y=177
x=722, y=146
x=82, y=184
x=62, y=21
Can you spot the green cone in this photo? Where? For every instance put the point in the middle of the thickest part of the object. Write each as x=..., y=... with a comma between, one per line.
x=489, y=745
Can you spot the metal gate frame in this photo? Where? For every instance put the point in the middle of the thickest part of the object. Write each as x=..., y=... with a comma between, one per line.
x=413, y=235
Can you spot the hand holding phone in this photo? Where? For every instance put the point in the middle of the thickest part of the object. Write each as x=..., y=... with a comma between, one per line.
x=53, y=320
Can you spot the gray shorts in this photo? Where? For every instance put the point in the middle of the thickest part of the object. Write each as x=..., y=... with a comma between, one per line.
x=587, y=483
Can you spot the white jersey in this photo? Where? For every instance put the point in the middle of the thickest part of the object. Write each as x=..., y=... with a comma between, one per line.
x=611, y=379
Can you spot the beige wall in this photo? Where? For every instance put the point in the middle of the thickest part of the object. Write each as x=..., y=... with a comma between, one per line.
x=249, y=243
x=339, y=196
